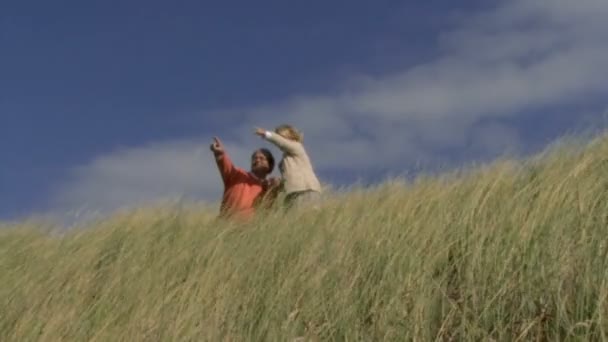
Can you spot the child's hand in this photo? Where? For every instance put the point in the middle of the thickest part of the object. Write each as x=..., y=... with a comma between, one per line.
x=260, y=131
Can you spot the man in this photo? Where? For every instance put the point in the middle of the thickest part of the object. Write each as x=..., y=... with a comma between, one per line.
x=245, y=191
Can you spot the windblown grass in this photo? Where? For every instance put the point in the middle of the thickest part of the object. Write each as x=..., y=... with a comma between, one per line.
x=512, y=251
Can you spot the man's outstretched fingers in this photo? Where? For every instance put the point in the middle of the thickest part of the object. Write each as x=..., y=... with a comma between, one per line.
x=216, y=146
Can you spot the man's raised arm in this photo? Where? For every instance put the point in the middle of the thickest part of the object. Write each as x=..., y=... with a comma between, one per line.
x=224, y=164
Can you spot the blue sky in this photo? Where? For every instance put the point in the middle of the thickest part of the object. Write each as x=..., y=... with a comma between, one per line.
x=112, y=103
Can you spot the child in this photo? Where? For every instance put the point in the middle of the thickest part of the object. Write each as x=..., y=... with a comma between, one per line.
x=299, y=180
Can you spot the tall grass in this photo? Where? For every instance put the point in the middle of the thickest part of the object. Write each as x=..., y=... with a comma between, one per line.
x=511, y=251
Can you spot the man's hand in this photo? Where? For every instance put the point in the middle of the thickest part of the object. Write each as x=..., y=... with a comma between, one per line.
x=260, y=131
x=272, y=182
x=217, y=147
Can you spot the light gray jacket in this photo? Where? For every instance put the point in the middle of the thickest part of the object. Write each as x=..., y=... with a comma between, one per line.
x=296, y=169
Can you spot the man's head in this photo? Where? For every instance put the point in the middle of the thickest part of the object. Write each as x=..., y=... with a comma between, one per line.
x=262, y=162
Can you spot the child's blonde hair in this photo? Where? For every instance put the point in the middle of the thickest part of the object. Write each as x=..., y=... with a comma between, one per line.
x=289, y=132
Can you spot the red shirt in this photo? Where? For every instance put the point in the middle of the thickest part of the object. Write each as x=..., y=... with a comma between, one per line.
x=242, y=189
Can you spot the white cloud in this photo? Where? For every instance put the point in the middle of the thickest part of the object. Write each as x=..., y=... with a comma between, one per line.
x=486, y=139
x=498, y=63
x=161, y=171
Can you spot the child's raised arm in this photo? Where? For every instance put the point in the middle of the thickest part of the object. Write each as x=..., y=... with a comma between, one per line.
x=286, y=145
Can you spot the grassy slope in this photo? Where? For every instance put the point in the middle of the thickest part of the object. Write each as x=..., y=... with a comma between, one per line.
x=506, y=251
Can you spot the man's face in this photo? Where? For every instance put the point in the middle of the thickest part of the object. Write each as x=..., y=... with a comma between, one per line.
x=259, y=164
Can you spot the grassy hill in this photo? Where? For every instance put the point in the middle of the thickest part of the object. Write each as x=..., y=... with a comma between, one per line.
x=507, y=251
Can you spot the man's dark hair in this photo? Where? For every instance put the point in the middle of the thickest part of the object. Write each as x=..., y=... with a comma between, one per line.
x=266, y=152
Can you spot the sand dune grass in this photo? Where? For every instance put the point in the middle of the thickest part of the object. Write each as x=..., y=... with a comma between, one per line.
x=509, y=251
